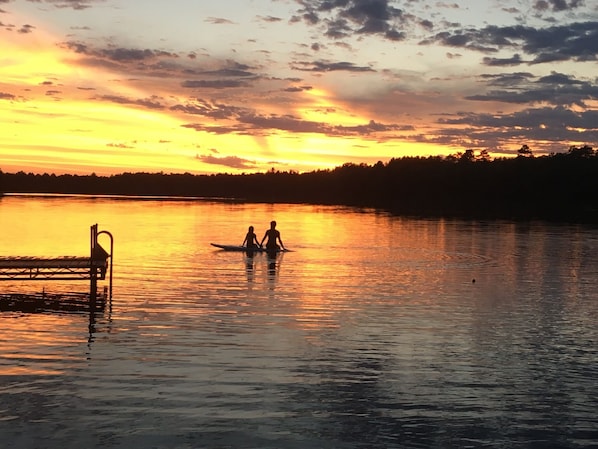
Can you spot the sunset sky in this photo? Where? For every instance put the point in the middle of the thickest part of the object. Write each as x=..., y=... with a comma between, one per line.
x=109, y=86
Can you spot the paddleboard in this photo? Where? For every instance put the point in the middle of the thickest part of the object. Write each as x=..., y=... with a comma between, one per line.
x=241, y=248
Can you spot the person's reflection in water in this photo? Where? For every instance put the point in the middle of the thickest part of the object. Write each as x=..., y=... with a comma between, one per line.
x=272, y=254
x=274, y=262
x=249, y=266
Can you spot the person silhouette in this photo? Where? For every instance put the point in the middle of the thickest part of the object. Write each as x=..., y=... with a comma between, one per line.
x=250, y=241
x=273, y=236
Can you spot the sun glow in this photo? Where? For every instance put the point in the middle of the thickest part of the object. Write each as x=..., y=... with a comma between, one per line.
x=322, y=108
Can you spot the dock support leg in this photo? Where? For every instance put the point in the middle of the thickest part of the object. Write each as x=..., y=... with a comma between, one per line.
x=93, y=272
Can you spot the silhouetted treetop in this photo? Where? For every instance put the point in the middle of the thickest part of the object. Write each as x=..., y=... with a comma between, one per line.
x=559, y=186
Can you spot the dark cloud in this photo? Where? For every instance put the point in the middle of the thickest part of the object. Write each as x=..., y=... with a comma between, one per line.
x=508, y=79
x=549, y=124
x=211, y=109
x=269, y=19
x=228, y=161
x=7, y=26
x=522, y=88
x=6, y=96
x=560, y=79
x=26, y=29
x=218, y=21
x=556, y=118
x=557, y=5
x=295, y=125
x=514, y=60
x=343, y=18
x=133, y=54
x=221, y=130
x=297, y=89
x=74, y=4
x=119, y=54
x=325, y=66
x=213, y=84
x=163, y=64
x=232, y=72
x=285, y=123
x=120, y=145
x=149, y=103
x=576, y=41
x=244, y=121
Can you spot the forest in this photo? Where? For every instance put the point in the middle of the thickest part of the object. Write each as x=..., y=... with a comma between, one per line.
x=560, y=186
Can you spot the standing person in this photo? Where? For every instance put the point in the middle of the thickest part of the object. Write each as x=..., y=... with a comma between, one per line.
x=273, y=235
x=251, y=239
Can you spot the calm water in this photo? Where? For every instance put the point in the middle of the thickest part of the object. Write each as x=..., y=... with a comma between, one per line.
x=371, y=334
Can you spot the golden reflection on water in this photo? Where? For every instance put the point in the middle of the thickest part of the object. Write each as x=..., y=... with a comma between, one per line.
x=344, y=265
x=41, y=344
x=372, y=327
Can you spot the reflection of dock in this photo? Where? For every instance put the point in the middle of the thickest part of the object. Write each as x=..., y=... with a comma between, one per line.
x=43, y=302
x=98, y=266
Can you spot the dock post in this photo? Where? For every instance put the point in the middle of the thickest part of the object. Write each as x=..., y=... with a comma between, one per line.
x=93, y=273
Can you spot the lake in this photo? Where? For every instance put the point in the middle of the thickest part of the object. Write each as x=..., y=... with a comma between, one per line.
x=376, y=331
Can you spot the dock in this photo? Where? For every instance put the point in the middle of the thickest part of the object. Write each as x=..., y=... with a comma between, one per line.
x=93, y=268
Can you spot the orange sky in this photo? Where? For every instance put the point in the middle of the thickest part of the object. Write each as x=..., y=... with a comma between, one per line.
x=98, y=86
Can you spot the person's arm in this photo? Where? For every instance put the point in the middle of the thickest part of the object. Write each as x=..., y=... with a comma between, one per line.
x=264, y=238
x=243, y=244
x=280, y=240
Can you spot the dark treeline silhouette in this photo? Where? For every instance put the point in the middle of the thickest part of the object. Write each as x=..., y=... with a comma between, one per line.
x=561, y=186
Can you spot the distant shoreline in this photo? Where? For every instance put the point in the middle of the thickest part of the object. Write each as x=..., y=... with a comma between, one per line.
x=560, y=187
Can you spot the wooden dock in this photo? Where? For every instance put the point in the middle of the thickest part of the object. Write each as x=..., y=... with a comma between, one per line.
x=97, y=266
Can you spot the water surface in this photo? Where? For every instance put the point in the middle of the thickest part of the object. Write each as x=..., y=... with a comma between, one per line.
x=375, y=332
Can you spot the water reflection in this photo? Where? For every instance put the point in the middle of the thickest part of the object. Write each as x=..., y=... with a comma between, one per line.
x=272, y=256
x=380, y=343
x=250, y=266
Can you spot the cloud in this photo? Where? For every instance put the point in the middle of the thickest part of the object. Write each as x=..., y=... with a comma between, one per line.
x=124, y=146
x=213, y=84
x=343, y=18
x=118, y=54
x=219, y=130
x=498, y=62
x=74, y=4
x=549, y=124
x=296, y=125
x=6, y=96
x=575, y=41
x=325, y=66
x=26, y=29
x=297, y=88
x=218, y=21
x=555, y=89
x=227, y=161
x=557, y=5
x=269, y=19
x=149, y=103
x=212, y=109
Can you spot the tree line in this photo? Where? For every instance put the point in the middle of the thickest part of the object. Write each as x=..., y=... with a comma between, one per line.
x=560, y=186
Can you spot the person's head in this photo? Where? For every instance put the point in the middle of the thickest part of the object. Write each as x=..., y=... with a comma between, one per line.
x=272, y=224
x=250, y=228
